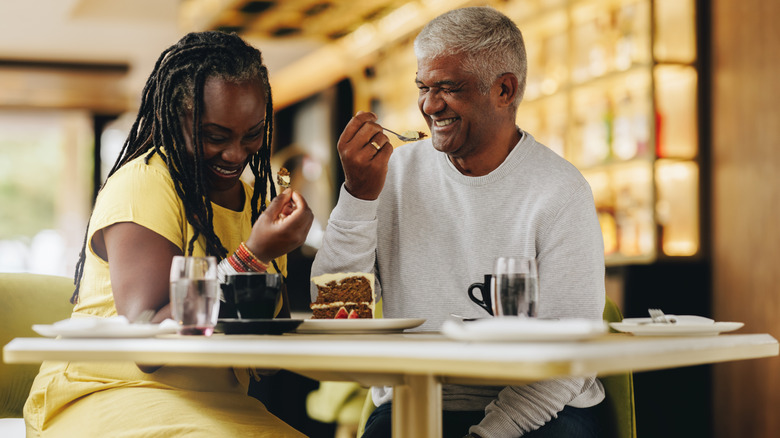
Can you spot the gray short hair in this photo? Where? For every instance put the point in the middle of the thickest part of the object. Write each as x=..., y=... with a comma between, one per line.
x=491, y=44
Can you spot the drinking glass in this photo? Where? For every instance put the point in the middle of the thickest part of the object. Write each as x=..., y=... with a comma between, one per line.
x=195, y=294
x=516, y=290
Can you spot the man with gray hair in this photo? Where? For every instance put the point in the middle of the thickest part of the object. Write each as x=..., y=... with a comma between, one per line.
x=430, y=218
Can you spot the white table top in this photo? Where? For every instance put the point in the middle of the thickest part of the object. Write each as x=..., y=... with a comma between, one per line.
x=416, y=364
x=385, y=357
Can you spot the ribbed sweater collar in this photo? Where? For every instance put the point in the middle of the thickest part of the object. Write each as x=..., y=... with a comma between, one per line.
x=515, y=157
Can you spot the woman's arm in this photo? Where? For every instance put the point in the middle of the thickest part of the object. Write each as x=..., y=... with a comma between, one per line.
x=140, y=264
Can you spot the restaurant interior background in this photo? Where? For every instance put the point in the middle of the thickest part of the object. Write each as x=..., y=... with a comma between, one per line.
x=669, y=108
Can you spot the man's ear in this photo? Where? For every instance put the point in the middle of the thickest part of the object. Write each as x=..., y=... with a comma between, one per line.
x=507, y=88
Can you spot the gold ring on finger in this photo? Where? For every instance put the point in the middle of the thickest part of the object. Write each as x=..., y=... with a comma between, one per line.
x=376, y=145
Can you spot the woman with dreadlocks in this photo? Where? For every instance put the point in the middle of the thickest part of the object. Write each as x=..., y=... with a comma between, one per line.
x=205, y=114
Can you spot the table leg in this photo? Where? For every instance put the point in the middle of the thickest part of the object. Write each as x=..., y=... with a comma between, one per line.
x=417, y=407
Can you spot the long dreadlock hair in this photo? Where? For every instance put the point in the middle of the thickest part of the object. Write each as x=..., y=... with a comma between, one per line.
x=174, y=87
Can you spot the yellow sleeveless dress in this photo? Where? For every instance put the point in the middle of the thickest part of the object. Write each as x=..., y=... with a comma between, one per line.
x=70, y=399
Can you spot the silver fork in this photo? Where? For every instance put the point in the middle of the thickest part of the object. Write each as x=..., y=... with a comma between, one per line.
x=420, y=135
x=657, y=315
x=144, y=317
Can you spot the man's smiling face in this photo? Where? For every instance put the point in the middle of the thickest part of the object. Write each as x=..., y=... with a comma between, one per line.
x=460, y=116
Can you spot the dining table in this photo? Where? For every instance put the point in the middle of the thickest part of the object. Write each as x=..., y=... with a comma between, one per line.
x=416, y=364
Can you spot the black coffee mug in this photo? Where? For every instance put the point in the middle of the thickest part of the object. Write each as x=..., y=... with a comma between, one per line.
x=251, y=295
x=486, y=300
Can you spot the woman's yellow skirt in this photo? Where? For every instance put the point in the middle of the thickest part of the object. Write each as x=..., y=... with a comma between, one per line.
x=118, y=400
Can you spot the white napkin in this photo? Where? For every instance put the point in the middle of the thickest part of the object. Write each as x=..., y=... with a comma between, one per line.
x=115, y=326
x=523, y=329
x=94, y=323
x=91, y=323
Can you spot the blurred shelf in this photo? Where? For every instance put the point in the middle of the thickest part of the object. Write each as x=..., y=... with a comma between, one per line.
x=611, y=91
x=612, y=87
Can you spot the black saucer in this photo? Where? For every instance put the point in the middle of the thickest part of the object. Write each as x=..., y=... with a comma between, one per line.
x=234, y=326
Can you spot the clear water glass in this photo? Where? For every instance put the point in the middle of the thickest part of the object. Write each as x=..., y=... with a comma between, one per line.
x=516, y=289
x=195, y=294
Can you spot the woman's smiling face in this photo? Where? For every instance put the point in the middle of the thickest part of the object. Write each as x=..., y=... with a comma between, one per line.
x=233, y=127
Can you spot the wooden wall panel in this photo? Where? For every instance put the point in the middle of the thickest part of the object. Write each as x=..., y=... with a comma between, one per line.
x=98, y=88
x=746, y=207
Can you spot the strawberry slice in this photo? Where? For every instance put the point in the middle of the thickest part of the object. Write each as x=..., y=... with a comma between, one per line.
x=341, y=314
x=353, y=314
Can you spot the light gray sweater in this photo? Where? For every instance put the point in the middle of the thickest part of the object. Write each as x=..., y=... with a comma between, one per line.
x=434, y=231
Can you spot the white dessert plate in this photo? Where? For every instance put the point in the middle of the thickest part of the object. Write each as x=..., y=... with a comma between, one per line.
x=680, y=329
x=359, y=325
x=513, y=329
x=115, y=327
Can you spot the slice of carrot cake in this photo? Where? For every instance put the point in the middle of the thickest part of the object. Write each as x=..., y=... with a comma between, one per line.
x=344, y=295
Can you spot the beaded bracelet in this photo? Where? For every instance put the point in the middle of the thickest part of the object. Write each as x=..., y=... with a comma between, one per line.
x=249, y=259
x=240, y=261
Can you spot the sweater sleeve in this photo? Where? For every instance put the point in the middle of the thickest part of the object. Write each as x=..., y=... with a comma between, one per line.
x=570, y=255
x=349, y=242
x=522, y=409
x=571, y=285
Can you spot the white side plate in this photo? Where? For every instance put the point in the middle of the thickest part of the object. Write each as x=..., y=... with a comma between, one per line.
x=705, y=329
x=382, y=325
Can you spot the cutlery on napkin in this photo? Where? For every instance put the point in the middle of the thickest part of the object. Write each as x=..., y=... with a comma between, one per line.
x=673, y=319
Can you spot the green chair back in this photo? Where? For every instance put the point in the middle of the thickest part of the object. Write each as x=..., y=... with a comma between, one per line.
x=368, y=408
x=617, y=411
x=27, y=299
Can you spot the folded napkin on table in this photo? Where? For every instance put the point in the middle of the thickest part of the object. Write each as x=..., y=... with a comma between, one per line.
x=516, y=328
x=113, y=322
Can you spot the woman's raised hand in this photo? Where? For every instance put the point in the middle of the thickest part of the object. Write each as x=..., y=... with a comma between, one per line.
x=282, y=227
